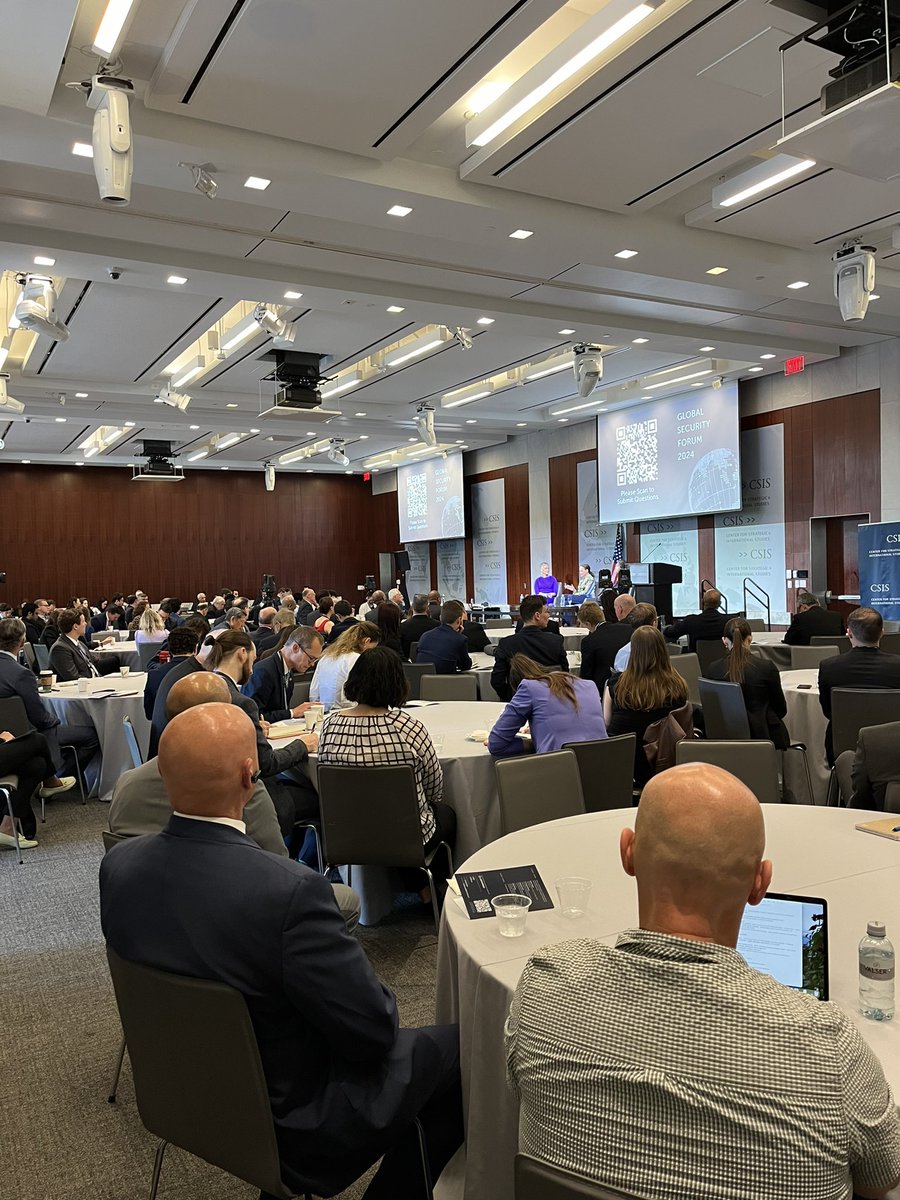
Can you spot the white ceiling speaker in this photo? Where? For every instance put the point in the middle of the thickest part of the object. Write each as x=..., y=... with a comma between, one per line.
x=36, y=308
x=7, y=403
x=854, y=279
x=588, y=367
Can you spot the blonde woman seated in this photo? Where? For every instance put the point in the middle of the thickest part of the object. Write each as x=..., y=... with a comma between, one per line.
x=337, y=661
x=558, y=708
x=151, y=628
x=646, y=691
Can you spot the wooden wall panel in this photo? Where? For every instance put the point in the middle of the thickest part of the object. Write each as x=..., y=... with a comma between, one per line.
x=564, y=512
x=97, y=531
x=518, y=539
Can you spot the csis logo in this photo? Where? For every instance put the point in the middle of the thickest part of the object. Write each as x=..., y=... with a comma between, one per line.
x=880, y=588
x=757, y=485
x=892, y=538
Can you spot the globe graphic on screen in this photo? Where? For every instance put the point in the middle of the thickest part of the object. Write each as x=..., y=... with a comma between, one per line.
x=715, y=482
x=452, y=520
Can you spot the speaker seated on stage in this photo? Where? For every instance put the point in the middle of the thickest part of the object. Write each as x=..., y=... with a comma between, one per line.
x=706, y=625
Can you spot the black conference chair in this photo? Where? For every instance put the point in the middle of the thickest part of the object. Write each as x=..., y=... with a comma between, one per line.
x=539, y=1181
x=853, y=709
x=147, y=651
x=806, y=658
x=14, y=718
x=837, y=641
x=414, y=672
x=110, y=840
x=131, y=739
x=724, y=711
x=385, y=831
x=606, y=767
x=413, y=651
x=448, y=687
x=709, y=650
x=688, y=667
x=30, y=659
x=533, y=788
x=754, y=763
x=42, y=654
x=8, y=784
x=890, y=643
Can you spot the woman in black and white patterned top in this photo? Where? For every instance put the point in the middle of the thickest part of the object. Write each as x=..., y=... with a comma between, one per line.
x=376, y=732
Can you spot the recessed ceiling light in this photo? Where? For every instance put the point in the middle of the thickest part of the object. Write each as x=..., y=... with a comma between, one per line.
x=348, y=472
x=521, y=234
x=195, y=427
x=399, y=210
x=178, y=280
x=359, y=414
x=223, y=468
x=395, y=308
x=254, y=431
x=309, y=470
x=521, y=424
x=874, y=296
x=79, y=464
x=129, y=424
x=801, y=283
x=257, y=183
x=753, y=369
x=490, y=320
x=472, y=421
x=566, y=332
x=292, y=295
x=60, y=420
x=363, y=437
x=412, y=439
x=83, y=150
x=231, y=406
x=717, y=271
x=626, y=253
x=81, y=395
x=41, y=260
x=767, y=356
x=563, y=420
x=706, y=349
x=26, y=462
x=639, y=341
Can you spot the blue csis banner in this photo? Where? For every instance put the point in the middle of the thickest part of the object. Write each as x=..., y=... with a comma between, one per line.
x=879, y=568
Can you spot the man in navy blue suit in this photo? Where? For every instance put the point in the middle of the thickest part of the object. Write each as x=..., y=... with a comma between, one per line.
x=203, y=900
x=446, y=646
x=272, y=683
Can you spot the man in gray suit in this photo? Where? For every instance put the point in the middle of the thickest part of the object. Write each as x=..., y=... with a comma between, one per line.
x=875, y=764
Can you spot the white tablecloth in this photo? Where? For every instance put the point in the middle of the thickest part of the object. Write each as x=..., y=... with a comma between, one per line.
x=806, y=723
x=815, y=851
x=571, y=634
x=125, y=653
x=105, y=713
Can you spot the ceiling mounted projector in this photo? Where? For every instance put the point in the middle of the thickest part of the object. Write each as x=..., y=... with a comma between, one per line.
x=36, y=308
x=336, y=453
x=111, y=137
x=159, y=465
x=425, y=424
x=7, y=403
x=588, y=367
x=854, y=279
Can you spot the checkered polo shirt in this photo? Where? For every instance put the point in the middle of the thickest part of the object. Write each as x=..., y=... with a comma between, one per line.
x=394, y=739
x=669, y=1069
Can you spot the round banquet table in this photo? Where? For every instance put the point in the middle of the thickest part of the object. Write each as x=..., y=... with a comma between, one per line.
x=571, y=635
x=771, y=646
x=125, y=653
x=107, y=701
x=816, y=852
x=806, y=723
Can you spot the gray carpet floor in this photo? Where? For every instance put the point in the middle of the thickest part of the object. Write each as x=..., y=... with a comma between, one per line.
x=59, y=1031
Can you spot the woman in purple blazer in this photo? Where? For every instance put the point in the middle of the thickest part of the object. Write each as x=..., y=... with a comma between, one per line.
x=558, y=708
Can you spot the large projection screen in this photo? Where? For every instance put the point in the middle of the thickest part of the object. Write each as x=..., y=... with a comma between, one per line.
x=430, y=499
x=673, y=457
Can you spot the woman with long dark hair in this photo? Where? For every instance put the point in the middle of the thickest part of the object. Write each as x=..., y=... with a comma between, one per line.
x=759, y=680
x=558, y=708
x=387, y=618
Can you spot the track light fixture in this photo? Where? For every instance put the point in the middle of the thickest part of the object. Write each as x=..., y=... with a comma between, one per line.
x=464, y=337
x=336, y=453
x=203, y=178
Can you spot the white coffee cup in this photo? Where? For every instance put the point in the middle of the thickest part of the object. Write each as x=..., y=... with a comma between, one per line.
x=123, y=671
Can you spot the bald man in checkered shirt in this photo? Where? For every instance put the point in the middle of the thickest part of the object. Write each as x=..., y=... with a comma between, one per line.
x=667, y=1068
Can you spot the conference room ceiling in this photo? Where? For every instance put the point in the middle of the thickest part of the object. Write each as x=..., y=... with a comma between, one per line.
x=351, y=109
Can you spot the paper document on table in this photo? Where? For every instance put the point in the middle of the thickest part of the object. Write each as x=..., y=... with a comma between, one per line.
x=887, y=828
x=285, y=729
x=419, y=703
x=478, y=888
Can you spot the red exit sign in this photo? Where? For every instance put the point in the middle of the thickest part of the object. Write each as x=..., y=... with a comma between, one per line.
x=793, y=366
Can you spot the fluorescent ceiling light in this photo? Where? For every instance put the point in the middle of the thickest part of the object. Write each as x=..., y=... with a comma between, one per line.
x=490, y=320
x=230, y=440
x=521, y=424
x=874, y=296
x=558, y=412
x=129, y=424
x=485, y=96
x=81, y=395
x=4, y=351
x=258, y=184
x=189, y=371
x=551, y=370
x=197, y=456
x=706, y=349
x=639, y=341
x=240, y=332
x=445, y=403
x=89, y=453
x=41, y=260
x=421, y=343
x=626, y=253
x=472, y=421
x=566, y=332
x=343, y=383
x=801, y=283
x=754, y=369
x=60, y=420
x=521, y=234
x=292, y=295
x=717, y=271
x=758, y=179
x=772, y=355
x=682, y=379
x=83, y=150
x=399, y=210
x=178, y=280
x=110, y=28
x=572, y=64
x=394, y=308
x=231, y=406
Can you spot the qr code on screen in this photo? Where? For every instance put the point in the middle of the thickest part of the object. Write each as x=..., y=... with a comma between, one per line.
x=417, y=496
x=637, y=453
x=482, y=906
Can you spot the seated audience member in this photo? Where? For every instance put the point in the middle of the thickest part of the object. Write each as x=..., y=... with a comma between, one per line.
x=327, y=1029
x=16, y=680
x=395, y=596
x=606, y=639
x=69, y=657
x=283, y=624
x=50, y=632
x=216, y=610
x=30, y=759
x=589, y=616
x=447, y=647
x=874, y=764
x=336, y=662
x=534, y=640
x=638, y=615
x=137, y=612
x=558, y=708
x=343, y=619
x=387, y=618
x=110, y=618
x=434, y=604
x=546, y=584
x=233, y=622
x=271, y=684
x=185, y=666
x=689, y=1098
x=151, y=629
x=646, y=691
x=760, y=684
x=368, y=607
x=476, y=635
x=706, y=625
x=863, y=666
x=201, y=599
x=551, y=624
x=811, y=620
x=306, y=606
x=376, y=732
x=607, y=601
x=34, y=623
x=264, y=631
x=183, y=644
x=324, y=622
x=413, y=627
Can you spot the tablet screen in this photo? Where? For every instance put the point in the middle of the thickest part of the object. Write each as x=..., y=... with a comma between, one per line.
x=787, y=937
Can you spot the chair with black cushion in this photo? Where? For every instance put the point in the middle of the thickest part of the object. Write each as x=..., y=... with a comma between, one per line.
x=386, y=831
x=413, y=651
x=606, y=767
x=890, y=643
x=8, y=784
x=30, y=659
x=806, y=658
x=892, y=798
x=42, y=654
x=838, y=643
x=497, y=623
x=724, y=711
x=131, y=740
x=853, y=709
x=448, y=687
x=709, y=650
x=300, y=694
x=414, y=673
x=533, y=788
x=757, y=624
x=14, y=719
x=539, y=1181
x=754, y=763
x=674, y=649
x=147, y=651
x=110, y=840
x=207, y=1094
x=688, y=667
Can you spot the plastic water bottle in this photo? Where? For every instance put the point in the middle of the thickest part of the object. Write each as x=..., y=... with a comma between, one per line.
x=876, y=974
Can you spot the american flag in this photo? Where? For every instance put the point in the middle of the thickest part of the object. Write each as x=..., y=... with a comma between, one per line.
x=618, y=553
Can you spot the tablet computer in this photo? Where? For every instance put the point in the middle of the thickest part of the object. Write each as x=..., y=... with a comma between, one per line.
x=787, y=937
